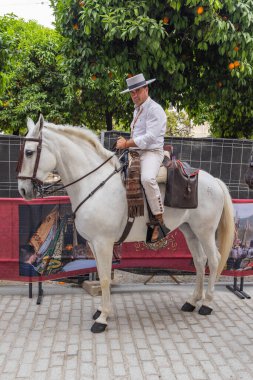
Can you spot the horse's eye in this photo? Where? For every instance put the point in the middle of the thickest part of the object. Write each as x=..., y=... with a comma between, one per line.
x=28, y=153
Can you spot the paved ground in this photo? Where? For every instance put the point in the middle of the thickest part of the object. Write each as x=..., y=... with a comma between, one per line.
x=148, y=336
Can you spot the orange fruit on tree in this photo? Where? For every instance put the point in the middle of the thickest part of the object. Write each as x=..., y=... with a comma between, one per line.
x=75, y=26
x=236, y=63
x=200, y=10
x=166, y=20
x=231, y=66
x=93, y=77
x=236, y=48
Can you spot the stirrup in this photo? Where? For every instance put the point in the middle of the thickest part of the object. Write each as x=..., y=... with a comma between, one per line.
x=163, y=231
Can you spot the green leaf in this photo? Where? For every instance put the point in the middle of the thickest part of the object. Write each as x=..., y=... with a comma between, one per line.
x=87, y=29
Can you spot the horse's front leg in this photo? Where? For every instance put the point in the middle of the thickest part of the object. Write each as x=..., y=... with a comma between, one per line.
x=103, y=253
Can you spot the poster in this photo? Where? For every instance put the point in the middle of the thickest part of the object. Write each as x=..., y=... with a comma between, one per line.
x=38, y=242
x=49, y=242
x=241, y=255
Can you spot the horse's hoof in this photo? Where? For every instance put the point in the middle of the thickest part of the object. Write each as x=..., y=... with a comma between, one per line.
x=187, y=307
x=98, y=327
x=96, y=315
x=205, y=310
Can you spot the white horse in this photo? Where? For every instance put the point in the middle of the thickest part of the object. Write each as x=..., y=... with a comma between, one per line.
x=101, y=219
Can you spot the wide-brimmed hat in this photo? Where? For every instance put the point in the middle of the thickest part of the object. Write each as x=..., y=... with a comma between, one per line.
x=135, y=82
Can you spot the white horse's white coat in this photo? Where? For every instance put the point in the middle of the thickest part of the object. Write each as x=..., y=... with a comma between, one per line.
x=101, y=220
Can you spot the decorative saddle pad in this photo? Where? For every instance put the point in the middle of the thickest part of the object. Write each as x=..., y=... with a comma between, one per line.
x=134, y=191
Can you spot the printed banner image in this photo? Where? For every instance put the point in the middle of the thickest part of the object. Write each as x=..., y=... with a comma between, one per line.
x=49, y=242
x=39, y=242
x=241, y=255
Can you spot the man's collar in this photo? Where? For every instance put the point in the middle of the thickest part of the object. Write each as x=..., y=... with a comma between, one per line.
x=144, y=104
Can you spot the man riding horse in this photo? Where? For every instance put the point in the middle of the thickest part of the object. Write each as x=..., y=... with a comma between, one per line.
x=147, y=138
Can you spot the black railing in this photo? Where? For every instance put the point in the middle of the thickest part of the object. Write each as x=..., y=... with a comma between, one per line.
x=226, y=159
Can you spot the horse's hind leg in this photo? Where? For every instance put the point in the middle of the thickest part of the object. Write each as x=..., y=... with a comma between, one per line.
x=213, y=256
x=199, y=259
x=103, y=253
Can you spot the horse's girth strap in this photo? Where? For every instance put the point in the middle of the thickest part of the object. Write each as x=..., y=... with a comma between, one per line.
x=127, y=229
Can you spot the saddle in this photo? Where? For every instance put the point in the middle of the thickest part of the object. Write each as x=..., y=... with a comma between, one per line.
x=180, y=179
x=181, y=185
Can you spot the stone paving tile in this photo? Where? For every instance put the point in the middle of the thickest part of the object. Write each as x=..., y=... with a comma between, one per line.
x=148, y=337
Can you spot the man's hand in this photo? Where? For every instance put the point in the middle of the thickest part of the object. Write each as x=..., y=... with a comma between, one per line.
x=121, y=143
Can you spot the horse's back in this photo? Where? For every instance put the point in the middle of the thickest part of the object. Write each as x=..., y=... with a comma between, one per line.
x=211, y=199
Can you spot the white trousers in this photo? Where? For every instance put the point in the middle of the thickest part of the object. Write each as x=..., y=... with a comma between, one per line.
x=150, y=163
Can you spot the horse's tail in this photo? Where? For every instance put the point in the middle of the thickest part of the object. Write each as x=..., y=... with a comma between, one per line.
x=226, y=228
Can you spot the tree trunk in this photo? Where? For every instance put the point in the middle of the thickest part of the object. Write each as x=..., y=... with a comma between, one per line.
x=108, y=118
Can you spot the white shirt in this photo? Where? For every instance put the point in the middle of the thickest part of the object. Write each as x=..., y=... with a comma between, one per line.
x=149, y=129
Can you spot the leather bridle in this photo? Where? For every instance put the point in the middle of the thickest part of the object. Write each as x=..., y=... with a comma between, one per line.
x=37, y=182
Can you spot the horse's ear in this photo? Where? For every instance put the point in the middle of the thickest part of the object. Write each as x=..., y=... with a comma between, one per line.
x=40, y=123
x=30, y=124
x=35, y=129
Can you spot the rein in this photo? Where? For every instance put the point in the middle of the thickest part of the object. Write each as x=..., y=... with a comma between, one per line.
x=45, y=188
x=97, y=188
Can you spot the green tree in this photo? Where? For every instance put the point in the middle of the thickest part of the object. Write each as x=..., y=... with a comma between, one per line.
x=4, y=54
x=187, y=45
x=179, y=124
x=31, y=68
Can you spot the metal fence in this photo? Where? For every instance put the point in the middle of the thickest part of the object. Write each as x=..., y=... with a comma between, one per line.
x=226, y=159
x=9, y=149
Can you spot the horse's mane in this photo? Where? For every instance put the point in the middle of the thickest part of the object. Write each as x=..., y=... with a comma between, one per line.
x=81, y=133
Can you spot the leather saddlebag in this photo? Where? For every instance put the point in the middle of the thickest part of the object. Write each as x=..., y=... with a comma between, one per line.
x=182, y=186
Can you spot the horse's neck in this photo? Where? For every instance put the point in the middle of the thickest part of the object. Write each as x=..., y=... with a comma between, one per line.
x=75, y=157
